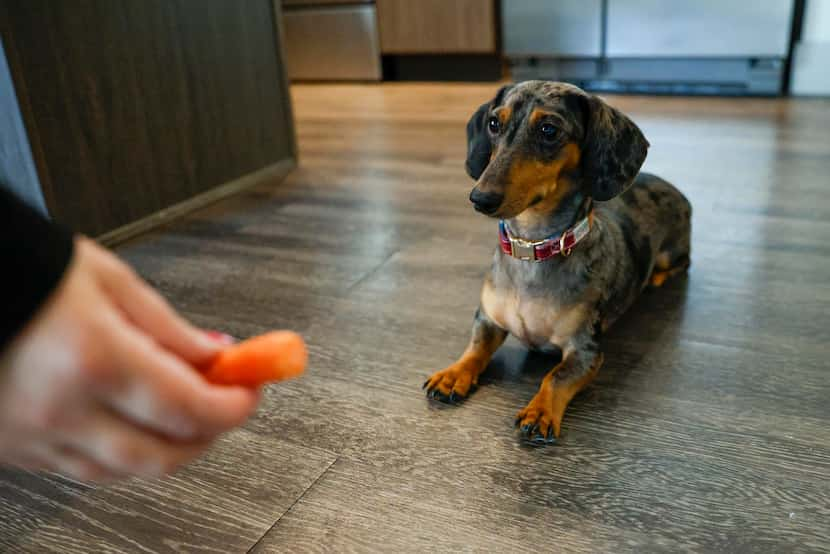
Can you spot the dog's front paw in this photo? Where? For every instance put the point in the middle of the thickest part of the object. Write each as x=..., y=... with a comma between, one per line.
x=453, y=384
x=538, y=422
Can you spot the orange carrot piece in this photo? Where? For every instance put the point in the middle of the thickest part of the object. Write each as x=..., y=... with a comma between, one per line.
x=274, y=356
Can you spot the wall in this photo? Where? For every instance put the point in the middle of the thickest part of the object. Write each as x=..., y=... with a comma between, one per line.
x=17, y=168
x=812, y=53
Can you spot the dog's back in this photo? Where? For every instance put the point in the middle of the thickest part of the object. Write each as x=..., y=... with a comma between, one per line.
x=651, y=222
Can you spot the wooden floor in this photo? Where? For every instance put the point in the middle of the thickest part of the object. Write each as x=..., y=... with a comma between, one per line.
x=708, y=429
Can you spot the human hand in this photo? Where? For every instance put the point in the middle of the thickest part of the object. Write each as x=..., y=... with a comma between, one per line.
x=101, y=383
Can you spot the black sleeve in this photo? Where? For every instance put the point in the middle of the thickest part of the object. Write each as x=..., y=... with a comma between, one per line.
x=35, y=253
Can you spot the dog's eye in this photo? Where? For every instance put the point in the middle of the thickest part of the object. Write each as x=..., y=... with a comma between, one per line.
x=494, y=125
x=548, y=131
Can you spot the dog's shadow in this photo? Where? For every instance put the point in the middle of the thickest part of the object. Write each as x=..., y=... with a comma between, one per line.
x=514, y=363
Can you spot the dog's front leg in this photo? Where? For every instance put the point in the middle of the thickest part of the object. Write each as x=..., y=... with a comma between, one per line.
x=458, y=380
x=540, y=421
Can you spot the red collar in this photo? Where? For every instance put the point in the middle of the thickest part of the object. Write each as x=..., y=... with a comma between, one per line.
x=540, y=250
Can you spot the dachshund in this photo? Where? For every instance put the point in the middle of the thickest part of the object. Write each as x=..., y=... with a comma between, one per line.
x=581, y=234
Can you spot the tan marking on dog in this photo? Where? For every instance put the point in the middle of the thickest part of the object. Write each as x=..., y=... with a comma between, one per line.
x=493, y=303
x=504, y=114
x=663, y=269
x=569, y=322
x=662, y=261
x=548, y=406
x=658, y=278
x=538, y=114
x=529, y=178
x=536, y=323
x=462, y=376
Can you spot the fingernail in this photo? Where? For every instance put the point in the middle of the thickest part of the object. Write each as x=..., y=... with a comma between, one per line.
x=220, y=337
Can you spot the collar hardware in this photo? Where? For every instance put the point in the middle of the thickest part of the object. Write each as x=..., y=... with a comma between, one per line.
x=540, y=250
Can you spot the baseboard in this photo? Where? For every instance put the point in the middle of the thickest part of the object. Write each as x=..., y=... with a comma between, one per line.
x=443, y=67
x=273, y=172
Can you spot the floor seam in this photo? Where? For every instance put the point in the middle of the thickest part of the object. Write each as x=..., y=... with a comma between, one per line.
x=291, y=507
x=370, y=273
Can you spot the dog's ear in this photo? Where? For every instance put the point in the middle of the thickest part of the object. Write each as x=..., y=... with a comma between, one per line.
x=478, y=142
x=478, y=139
x=613, y=148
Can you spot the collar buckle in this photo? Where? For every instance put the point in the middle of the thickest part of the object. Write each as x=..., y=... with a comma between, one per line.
x=522, y=249
x=526, y=250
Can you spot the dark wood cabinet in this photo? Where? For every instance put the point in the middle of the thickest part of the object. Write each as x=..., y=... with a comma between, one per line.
x=135, y=106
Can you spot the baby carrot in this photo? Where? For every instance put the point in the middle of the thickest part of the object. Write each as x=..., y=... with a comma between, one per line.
x=274, y=356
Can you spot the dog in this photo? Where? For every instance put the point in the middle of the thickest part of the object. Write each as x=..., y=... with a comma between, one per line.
x=581, y=234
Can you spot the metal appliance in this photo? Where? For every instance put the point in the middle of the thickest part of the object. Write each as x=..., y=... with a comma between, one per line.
x=651, y=46
x=327, y=40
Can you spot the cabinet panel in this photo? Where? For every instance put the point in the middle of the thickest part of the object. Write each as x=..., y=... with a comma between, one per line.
x=338, y=43
x=131, y=107
x=436, y=26
x=545, y=28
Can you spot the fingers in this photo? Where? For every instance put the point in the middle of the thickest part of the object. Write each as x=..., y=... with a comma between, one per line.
x=159, y=391
x=28, y=462
x=98, y=446
x=69, y=462
x=63, y=460
x=147, y=310
x=120, y=448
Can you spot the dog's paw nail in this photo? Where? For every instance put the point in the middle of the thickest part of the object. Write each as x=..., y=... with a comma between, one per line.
x=526, y=428
x=439, y=396
x=454, y=397
x=516, y=423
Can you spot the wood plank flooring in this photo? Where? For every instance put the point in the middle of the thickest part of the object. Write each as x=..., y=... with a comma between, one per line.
x=708, y=429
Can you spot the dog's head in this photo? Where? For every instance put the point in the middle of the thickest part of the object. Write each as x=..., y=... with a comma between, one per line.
x=537, y=142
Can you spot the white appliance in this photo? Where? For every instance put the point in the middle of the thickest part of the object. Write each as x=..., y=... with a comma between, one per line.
x=654, y=46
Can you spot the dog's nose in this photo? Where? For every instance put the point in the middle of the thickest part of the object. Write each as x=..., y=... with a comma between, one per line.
x=485, y=202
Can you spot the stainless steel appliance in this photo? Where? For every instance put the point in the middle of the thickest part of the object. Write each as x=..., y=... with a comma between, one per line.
x=681, y=46
x=329, y=40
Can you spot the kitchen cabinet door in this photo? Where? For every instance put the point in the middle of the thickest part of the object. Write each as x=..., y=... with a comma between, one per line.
x=437, y=26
